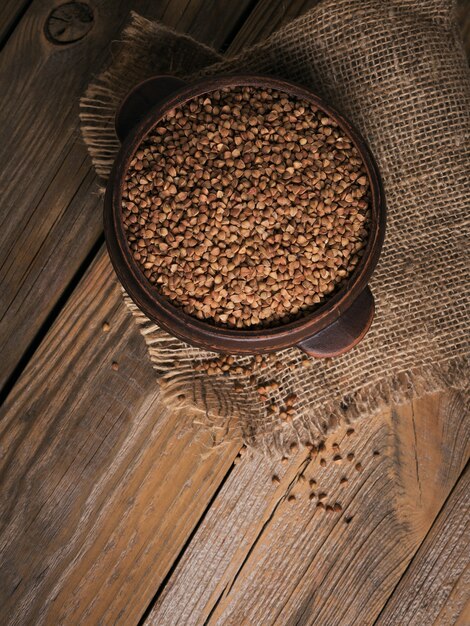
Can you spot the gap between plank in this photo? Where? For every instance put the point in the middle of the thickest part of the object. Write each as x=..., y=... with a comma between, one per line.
x=228, y=587
x=14, y=23
x=467, y=465
x=238, y=25
x=50, y=319
x=87, y=261
x=303, y=464
x=183, y=549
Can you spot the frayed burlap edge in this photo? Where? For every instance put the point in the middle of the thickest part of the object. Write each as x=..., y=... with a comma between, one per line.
x=183, y=387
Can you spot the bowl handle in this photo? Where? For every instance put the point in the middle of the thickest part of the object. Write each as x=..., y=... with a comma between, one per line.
x=141, y=99
x=346, y=332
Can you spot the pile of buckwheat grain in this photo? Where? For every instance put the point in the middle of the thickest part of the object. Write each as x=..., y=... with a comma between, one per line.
x=246, y=207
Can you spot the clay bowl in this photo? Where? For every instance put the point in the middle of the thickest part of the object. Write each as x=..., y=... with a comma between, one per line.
x=333, y=328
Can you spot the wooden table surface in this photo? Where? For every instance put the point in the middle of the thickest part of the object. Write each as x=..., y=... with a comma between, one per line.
x=114, y=508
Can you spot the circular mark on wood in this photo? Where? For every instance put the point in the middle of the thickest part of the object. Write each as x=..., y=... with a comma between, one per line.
x=69, y=22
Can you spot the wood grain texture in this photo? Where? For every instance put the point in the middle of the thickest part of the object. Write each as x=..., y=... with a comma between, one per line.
x=95, y=509
x=435, y=589
x=45, y=173
x=273, y=556
x=101, y=485
x=268, y=16
x=10, y=13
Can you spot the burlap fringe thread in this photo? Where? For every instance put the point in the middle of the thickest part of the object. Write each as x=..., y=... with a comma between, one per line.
x=183, y=387
x=147, y=48
x=359, y=55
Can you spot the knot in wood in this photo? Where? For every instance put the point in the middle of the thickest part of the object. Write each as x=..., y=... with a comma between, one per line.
x=69, y=22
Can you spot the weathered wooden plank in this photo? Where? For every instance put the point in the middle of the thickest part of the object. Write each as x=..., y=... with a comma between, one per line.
x=249, y=513
x=10, y=13
x=72, y=505
x=436, y=586
x=50, y=214
x=101, y=485
x=272, y=555
x=103, y=526
x=268, y=16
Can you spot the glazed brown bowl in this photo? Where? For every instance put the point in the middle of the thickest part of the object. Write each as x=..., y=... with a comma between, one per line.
x=334, y=327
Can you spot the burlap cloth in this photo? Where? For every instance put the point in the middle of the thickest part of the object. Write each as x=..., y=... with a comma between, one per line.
x=397, y=68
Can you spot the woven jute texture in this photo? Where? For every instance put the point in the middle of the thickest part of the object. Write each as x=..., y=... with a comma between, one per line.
x=397, y=69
